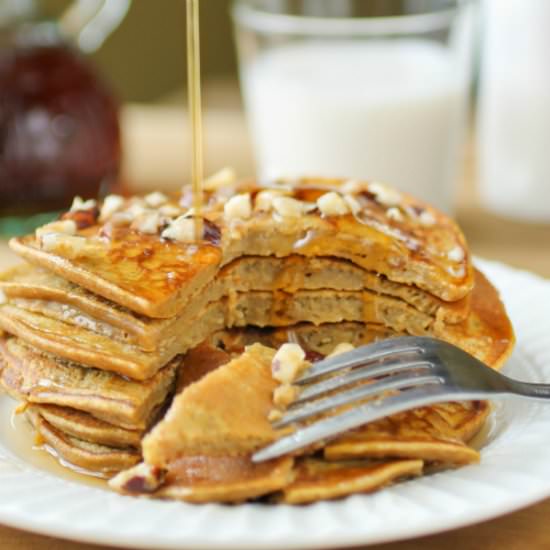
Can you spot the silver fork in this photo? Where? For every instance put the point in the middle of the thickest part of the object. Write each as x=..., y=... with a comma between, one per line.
x=424, y=370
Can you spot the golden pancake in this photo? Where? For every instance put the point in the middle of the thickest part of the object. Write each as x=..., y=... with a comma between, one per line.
x=434, y=434
x=99, y=459
x=85, y=427
x=30, y=376
x=486, y=333
x=156, y=276
x=318, y=480
x=200, y=479
x=40, y=291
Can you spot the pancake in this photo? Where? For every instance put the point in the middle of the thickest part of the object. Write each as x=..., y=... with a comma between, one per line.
x=435, y=434
x=486, y=333
x=156, y=277
x=208, y=479
x=318, y=480
x=40, y=291
x=85, y=427
x=99, y=459
x=30, y=376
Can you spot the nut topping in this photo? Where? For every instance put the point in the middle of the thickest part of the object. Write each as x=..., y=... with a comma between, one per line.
x=263, y=201
x=238, y=207
x=80, y=204
x=181, y=229
x=68, y=246
x=226, y=176
x=155, y=199
x=288, y=363
x=288, y=207
x=332, y=204
x=341, y=348
x=385, y=195
x=394, y=213
x=147, y=223
x=456, y=254
x=426, y=218
x=111, y=204
x=68, y=227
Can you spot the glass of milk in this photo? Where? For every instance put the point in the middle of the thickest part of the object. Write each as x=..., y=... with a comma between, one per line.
x=341, y=88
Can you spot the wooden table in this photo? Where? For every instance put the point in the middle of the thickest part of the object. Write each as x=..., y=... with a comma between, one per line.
x=156, y=145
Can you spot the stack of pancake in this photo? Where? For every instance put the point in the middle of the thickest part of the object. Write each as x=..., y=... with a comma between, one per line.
x=120, y=306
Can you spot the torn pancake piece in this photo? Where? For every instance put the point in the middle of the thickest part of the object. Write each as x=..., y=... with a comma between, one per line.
x=225, y=413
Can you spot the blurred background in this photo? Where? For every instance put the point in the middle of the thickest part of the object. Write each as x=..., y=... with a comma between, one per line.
x=488, y=156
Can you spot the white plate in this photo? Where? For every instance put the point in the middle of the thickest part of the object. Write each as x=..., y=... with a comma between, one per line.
x=514, y=472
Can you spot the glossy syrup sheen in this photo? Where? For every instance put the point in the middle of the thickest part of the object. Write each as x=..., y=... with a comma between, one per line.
x=19, y=438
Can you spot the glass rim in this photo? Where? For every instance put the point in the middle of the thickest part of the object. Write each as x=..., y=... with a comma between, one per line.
x=278, y=23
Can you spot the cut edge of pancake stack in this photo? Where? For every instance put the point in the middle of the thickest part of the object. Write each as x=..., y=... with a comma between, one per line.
x=118, y=307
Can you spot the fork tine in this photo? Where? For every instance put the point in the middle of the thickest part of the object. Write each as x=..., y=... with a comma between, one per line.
x=362, y=355
x=363, y=414
x=357, y=375
x=392, y=382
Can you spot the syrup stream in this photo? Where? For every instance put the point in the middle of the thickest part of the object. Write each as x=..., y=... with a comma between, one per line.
x=195, y=110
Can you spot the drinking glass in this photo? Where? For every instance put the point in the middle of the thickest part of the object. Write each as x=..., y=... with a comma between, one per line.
x=358, y=89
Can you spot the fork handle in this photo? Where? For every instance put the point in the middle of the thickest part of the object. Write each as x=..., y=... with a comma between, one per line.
x=527, y=389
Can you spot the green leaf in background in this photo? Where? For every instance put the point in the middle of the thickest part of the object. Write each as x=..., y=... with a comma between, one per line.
x=21, y=225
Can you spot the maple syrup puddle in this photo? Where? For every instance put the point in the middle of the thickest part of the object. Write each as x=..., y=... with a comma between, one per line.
x=19, y=438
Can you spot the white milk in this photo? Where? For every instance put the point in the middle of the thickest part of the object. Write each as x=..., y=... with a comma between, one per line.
x=389, y=111
x=514, y=109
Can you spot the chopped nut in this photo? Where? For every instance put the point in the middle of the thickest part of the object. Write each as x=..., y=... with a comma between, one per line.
x=263, y=201
x=353, y=204
x=170, y=210
x=456, y=254
x=119, y=219
x=147, y=223
x=142, y=478
x=332, y=204
x=274, y=415
x=111, y=204
x=284, y=395
x=82, y=218
x=344, y=347
x=68, y=246
x=426, y=218
x=288, y=207
x=3, y=298
x=181, y=229
x=136, y=209
x=352, y=187
x=394, y=213
x=225, y=176
x=68, y=227
x=80, y=204
x=238, y=207
x=155, y=199
x=288, y=363
x=384, y=194
x=456, y=271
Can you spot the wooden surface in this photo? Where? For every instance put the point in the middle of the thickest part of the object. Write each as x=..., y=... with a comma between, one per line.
x=157, y=149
